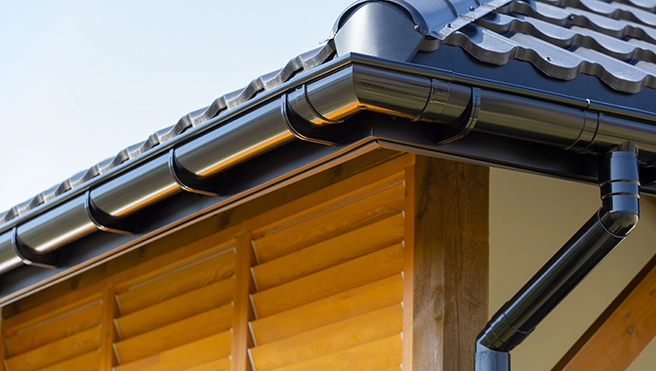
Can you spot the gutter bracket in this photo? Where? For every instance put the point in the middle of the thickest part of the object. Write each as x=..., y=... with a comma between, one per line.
x=106, y=222
x=319, y=130
x=191, y=182
x=448, y=134
x=29, y=257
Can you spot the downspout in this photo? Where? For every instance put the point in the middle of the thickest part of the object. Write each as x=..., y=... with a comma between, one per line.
x=619, y=183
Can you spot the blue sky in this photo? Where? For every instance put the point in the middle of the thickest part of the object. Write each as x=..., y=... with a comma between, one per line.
x=80, y=80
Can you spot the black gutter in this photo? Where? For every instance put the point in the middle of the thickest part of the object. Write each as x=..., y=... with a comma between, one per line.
x=619, y=214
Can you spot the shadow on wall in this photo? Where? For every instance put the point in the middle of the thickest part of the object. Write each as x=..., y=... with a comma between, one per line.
x=530, y=218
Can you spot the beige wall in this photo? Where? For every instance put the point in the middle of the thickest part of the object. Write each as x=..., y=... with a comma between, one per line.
x=530, y=218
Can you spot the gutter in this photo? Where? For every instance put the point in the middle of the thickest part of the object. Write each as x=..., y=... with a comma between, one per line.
x=317, y=109
x=610, y=225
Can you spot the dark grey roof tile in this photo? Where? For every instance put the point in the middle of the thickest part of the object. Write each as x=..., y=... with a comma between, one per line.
x=648, y=5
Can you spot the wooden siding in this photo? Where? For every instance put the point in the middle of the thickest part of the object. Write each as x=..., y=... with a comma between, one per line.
x=323, y=281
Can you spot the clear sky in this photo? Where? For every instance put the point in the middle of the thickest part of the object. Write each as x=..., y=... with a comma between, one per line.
x=81, y=80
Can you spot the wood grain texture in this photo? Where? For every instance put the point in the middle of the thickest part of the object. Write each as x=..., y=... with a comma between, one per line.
x=172, y=284
x=57, y=351
x=329, y=197
x=377, y=355
x=348, y=304
x=60, y=326
x=221, y=365
x=197, y=353
x=622, y=331
x=329, y=339
x=326, y=254
x=205, y=298
x=175, y=334
x=193, y=258
x=86, y=362
x=243, y=312
x=343, y=217
x=343, y=277
x=450, y=247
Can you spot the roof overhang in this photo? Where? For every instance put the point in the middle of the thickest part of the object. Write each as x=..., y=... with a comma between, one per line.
x=441, y=103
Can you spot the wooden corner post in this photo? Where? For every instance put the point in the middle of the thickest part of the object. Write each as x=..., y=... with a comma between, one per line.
x=447, y=259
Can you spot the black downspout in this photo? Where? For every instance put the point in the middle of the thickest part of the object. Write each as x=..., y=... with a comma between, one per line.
x=620, y=187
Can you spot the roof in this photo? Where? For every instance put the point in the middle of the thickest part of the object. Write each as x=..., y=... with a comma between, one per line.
x=614, y=41
x=587, y=56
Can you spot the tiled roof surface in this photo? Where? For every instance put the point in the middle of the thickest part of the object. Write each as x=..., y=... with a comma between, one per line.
x=615, y=41
x=220, y=105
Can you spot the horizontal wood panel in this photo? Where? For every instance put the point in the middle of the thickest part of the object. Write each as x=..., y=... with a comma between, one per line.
x=377, y=355
x=329, y=339
x=198, y=353
x=46, y=312
x=348, y=304
x=86, y=362
x=58, y=351
x=64, y=325
x=176, y=334
x=180, y=259
x=345, y=247
x=341, y=220
x=177, y=283
x=172, y=310
x=221, y=365
x=329, y=198
x=343, y=277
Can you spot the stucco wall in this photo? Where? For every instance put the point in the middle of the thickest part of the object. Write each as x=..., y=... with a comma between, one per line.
x=530, y=218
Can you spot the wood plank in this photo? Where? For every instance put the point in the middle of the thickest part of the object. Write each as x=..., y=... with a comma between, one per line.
x=205, y=298
x=450, y=243
x=221, y=365
x=197, y=353
x=192, y=259
x=58, y=351
x=622, y=331
x=377, y=355
x=329, y=198
x=176, y=334
x=343, y=277
x=334, y=222
x=329, y=253
x=107, y=331
x=60, y=326
x=177, y=283
x=348, y=304
x=243, y=312
x=329, y=339
x=86, y=362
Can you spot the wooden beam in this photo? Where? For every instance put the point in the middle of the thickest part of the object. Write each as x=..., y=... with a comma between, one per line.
x=450, y=253
x=107, y=333
x=622, y=331
x=243, y=312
